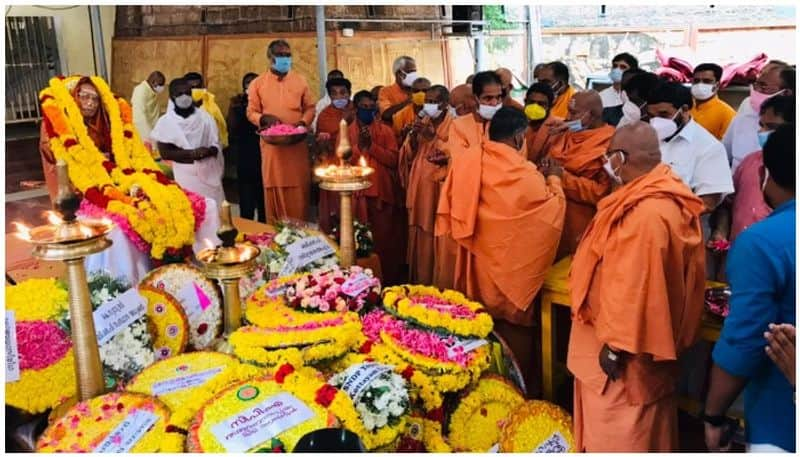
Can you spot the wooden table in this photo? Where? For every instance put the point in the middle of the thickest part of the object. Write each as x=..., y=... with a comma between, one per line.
x=556, y=292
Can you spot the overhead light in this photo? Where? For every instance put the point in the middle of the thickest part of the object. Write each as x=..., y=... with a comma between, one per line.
x=347, y=32
x=447, y=30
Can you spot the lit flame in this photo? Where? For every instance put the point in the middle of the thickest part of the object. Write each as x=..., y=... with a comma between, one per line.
x=208, y=243
x=53, y=217
x=106, y=221
x=362, y=162
x=85, y=231
x=242, y=256
x=23, y=231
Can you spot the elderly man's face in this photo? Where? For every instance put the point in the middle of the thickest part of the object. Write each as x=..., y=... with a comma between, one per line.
x=578, y=109
x=89, y=100
x=769, y=81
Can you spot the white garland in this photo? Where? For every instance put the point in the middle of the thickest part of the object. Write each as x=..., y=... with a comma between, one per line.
x=384, y=400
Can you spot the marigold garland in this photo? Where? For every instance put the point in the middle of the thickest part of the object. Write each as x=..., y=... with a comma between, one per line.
x=227, y=403
x=47, y=371
x=532, y=424
x=449, y=311
x=88, y=423
x=185, y=403
x=171, y=326
x=481, y=414
x=164, y=216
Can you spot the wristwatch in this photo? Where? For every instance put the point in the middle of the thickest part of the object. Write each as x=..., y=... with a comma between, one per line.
x=716, y=421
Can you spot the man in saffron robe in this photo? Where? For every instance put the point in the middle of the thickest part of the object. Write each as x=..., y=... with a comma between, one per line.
x=403, y=119
x=636, y=287
x=556, y=74
x=282, y=96
x=375, y=142
x=418, y=175
x=538, y=101
x=506, y=78
x=506, y=219
x=467, y=131
x=95, y=119
x=462, y=103
x=328, y=121
x=397, y=96
x=579, y=150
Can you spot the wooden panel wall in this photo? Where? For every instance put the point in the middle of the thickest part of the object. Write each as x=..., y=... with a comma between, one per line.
x=366, y=59
x=134, y=59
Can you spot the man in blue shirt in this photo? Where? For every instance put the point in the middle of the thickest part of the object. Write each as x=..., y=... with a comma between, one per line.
x=761, y=271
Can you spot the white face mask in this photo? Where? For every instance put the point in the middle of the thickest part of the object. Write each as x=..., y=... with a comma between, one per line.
x=610, y=170
x=702, y=91
x=665, y=128
x=453, y=111
x=158, y=89
x=432, y=110
x=410, y=78
x=183, y=101
x=488, y=111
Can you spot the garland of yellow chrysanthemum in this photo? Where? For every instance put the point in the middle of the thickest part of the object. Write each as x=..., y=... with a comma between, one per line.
x=167, y=219
x=532, y=423
x=38, y=390
x=266, y=347
x=185, y=403
x=400, y=301
x=476, y=423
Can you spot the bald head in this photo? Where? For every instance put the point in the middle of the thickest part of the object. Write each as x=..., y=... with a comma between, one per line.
x=639, y=144
x=588, y=107
x=505, y=77
x=462, y=100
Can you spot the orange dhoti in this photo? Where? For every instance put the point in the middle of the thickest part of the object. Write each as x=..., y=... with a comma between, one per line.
x=388, y=225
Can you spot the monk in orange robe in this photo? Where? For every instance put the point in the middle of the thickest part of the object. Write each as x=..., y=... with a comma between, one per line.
x=397, y=96
x=375, y=142
x=403, y=119
x=540, y=120
x=281, y=96
x=579, y=150
x=508, y=86
x=328, y=122
x=556, y=75
x=506, y=219
x=418, y=176
x=636, y=287
x=97, y=125
x=468, y=130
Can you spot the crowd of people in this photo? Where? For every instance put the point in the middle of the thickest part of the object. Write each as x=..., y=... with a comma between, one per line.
x=640, y=184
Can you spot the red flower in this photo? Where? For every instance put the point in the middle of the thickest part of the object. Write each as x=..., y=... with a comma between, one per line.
x=202, y=328
x=70, y=142
x=325, y=395
x=366, y=347
x=407, y=373
x=372, y=297
x=436, y=414
x=108, y=165
x=338, y=280
x=120, y=407
x=284, y=371
x=129, y=171
x=172, y=429
x=128, y=134
x=48, y=127
x=96, y=197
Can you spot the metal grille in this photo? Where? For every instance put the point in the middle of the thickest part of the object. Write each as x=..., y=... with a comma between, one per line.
x=31, y=60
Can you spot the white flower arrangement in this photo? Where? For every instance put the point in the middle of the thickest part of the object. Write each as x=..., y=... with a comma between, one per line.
x=382, y=402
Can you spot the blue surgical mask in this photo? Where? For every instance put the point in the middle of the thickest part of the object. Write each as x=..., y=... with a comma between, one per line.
x=615, y=74
x=575, y=126
x=340, y=103
x=366, y=116
x=762, y=138
x=282, y=64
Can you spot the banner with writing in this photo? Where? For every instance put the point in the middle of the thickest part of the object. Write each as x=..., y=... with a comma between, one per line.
x=12, y=353
x=466, y=346
x=127, y=433
x=193, y=299
x=309, y=249
x=359, y=377
x=357, y=284
x=117, y=314
x=184, y=382
x=254, y=426
x=556, y=443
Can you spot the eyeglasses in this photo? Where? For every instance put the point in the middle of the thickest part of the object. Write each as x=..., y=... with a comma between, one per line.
x=88, y=97
x=765, y=88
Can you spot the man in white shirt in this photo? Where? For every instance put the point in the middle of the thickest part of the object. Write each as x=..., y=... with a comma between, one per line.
x=741, y=138
x=695, y=155
x=144, y=103
x=189, y=137
x=619, y=65
x=325, y=101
